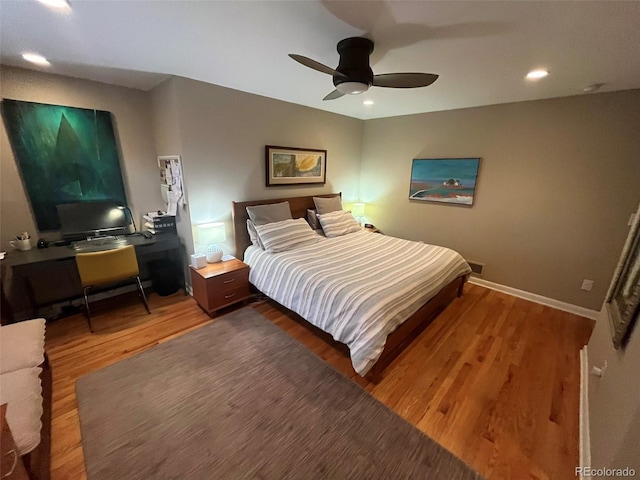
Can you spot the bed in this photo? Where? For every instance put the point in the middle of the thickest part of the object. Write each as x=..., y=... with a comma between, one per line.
x=370, y=292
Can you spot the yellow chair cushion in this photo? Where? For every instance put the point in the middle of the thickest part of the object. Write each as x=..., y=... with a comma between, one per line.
x=110, y=266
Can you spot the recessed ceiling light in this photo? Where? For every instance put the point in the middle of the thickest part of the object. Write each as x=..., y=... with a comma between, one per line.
x=368, y=103
x=35, y=58
x=537, y=74
x=55, y=3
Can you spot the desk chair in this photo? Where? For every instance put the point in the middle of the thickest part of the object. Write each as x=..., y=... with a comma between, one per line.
x=108, y=267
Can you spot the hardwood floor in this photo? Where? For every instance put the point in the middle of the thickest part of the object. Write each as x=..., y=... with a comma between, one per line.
x=494, y=379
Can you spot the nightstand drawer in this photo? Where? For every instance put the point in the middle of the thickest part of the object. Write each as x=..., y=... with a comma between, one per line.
x=228, y=281
x=221, y=298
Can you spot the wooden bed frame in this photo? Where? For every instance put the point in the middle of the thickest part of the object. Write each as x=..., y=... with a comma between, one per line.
x=404, y=334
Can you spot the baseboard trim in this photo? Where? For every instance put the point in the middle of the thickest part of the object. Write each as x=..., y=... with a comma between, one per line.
x=534, y=297
x=585, y=435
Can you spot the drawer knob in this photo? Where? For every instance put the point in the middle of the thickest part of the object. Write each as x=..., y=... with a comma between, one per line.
x=229, y=296
x=229, y=281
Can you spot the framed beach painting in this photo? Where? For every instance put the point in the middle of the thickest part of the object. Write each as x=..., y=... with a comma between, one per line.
x=295, y=166
x=444, y=180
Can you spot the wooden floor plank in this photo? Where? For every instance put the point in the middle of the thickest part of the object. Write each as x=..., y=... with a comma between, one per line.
x=494, y=379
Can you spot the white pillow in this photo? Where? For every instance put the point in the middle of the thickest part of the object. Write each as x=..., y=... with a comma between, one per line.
x=286, y=235
x=253, y=234
x=338, y=223
x=22, y=345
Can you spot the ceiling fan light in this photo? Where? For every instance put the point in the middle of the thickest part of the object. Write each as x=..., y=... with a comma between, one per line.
x=61, y=4
x=352, y=88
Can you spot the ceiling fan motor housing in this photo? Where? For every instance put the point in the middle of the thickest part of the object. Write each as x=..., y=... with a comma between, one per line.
x=354, y=61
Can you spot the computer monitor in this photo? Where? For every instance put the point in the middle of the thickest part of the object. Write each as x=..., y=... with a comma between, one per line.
x=91, y=219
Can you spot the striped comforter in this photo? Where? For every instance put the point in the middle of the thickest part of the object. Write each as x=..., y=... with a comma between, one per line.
x=358, y=287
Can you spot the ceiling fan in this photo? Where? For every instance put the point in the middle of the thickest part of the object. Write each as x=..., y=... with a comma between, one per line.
x=353, y=74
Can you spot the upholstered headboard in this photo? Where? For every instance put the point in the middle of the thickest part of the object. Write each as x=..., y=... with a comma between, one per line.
x=298, y=205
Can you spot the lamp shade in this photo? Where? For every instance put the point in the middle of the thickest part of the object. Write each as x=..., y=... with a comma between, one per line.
x=209, y=233
x=358, y=209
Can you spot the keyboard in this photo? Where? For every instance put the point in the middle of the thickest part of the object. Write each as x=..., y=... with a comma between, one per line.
x=98, y=244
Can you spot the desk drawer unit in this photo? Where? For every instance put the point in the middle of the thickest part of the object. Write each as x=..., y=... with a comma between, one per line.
x=220, y=284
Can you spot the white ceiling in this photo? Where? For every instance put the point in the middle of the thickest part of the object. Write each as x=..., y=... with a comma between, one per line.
x=481, y=50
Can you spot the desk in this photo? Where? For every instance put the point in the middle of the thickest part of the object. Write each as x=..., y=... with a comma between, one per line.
x=38, y=277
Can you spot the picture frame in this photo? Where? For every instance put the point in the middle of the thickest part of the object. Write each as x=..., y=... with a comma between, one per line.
x=295, y=166
x=622, y=302
x=444, y=180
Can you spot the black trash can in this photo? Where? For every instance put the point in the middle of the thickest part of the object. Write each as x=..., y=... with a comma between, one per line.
x=165, y=277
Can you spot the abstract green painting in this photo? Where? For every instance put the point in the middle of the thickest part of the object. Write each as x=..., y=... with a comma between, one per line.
x=64, y=154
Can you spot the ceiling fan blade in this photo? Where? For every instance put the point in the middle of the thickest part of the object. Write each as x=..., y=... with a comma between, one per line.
x=333, y=95
x=404, y=80
x=307, y=62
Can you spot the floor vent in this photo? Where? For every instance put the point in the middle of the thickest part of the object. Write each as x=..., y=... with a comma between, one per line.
x=476, y=268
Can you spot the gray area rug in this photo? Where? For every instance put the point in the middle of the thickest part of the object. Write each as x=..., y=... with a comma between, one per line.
x=241, y=399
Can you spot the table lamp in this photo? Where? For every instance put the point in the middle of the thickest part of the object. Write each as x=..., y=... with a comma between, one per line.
x=209, y=235
x=357, y=210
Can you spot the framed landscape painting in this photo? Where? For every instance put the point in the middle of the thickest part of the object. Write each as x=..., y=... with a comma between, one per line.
x=295, y=166
x=444, y=180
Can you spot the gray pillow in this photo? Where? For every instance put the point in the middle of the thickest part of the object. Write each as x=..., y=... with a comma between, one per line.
x=273, y=212
x=253, y=234
x=327, y=205
x=312, y=219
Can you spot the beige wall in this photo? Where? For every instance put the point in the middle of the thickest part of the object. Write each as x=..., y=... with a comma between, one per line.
x=167, y=129
x=223, y=133
x=220, y=133
x=132, y=124
x=614, y=398
x=558, y=181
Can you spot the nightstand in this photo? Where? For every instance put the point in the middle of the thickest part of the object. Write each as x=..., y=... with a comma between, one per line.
x=221, y=284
